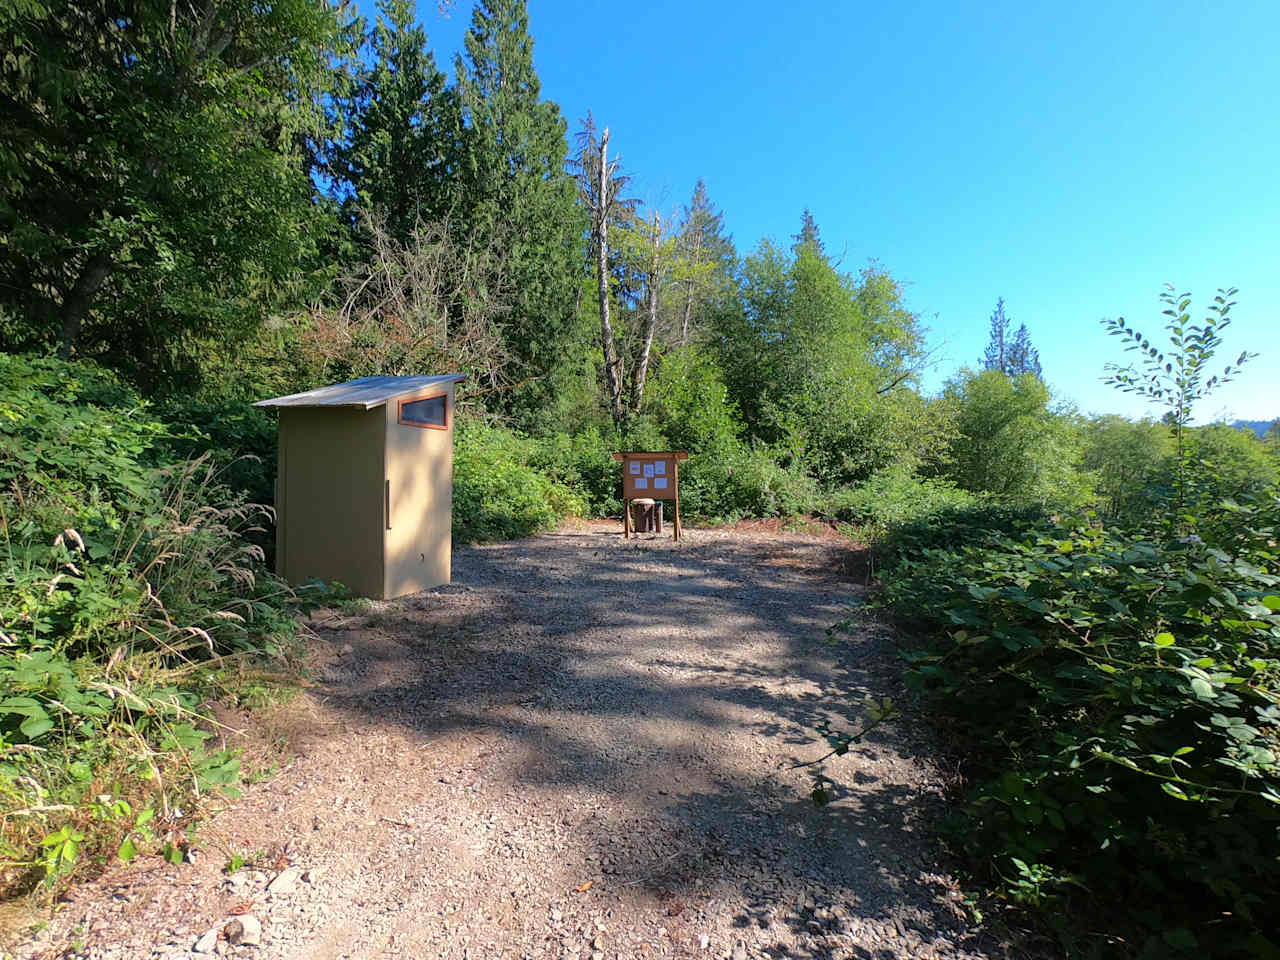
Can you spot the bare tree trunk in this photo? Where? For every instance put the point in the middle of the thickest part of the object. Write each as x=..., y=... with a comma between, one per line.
x=651, y=321
x=77, y=303
x=611, y=367
x=688, y=297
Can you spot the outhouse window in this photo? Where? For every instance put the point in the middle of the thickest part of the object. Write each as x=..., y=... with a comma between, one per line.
x=426, y=412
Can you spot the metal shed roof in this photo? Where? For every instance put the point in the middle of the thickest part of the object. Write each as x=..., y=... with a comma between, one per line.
x=365, y=393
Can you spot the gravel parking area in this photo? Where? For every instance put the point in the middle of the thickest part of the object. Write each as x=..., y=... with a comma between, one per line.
x=581, y=748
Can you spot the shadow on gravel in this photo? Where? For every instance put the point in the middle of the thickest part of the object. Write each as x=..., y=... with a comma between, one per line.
x=625, y=667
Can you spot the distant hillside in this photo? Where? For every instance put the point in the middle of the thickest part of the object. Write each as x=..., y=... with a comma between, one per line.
x=1260, y=427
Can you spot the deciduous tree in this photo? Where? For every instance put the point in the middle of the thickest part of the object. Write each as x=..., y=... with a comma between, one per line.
x=431, y=303
x=154, y=158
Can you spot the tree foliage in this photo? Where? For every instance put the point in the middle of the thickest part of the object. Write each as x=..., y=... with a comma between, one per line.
x=155, y=162
x=1010, y=444
x=429, y=302
x=823, y=363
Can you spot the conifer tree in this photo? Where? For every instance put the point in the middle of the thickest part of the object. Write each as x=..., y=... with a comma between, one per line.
x=996, y=356
x=707, y=258
x=1023, y=357
x=401, y=139
x=1013, y=355
x=809, y=236
x=514, y=185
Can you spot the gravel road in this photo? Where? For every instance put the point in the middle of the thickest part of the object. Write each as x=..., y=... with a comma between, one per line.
x=578, y=749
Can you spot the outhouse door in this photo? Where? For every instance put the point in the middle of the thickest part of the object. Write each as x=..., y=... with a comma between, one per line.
x=419, y=492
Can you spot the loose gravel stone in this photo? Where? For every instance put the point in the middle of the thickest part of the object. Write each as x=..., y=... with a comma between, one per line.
x=244, y=931
x=285, y=883
x=207, y=942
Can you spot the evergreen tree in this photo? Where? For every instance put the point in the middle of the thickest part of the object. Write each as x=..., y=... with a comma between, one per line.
x=514, y=185
x=707, y=258
x=1013, y=355
x=401, y=142
x=1023, y=357
x=996, y=356
x=809, y=235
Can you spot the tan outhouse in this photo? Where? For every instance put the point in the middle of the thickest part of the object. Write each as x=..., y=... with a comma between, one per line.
x=364, y=488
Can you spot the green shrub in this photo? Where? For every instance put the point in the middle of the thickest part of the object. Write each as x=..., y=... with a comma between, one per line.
x=1227, y=464
x=894, y=497
x=744, y=482
x=497, y=493
x=584, y=463
x=1120, y=693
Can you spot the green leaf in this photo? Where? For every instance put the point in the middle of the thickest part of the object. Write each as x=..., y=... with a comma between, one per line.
x=1173, y=790
x=127, y=850
x=1203, y=688
x=1271, y=602
x=25, y=706
x=1163, y=640
x=34, y=727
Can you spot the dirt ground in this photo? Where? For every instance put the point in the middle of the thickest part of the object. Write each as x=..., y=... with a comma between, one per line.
x=578, y=749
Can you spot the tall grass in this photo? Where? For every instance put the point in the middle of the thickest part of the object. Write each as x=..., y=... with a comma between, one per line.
x=131, y=595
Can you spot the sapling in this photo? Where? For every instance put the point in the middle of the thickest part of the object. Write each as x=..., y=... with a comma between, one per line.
x=1179, y=376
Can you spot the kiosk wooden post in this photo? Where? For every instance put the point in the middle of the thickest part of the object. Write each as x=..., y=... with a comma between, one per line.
x=654, y=474
x=675, y=476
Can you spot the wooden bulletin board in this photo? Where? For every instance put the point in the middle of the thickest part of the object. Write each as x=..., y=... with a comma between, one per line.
x=650, y=474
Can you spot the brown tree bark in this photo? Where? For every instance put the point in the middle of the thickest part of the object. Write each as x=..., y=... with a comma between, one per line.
x=613, y=373
x=76, y=305
x=651, y=320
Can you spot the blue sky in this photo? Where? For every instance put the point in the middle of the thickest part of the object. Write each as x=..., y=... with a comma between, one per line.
x=1071, y=160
